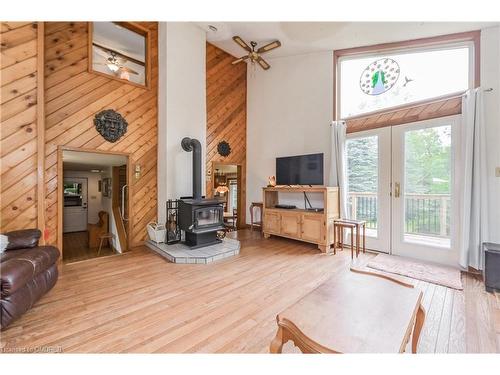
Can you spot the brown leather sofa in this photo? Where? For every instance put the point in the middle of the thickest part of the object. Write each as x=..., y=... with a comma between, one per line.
x=27, y=272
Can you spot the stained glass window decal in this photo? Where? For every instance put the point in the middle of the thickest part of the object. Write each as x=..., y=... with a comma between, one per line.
x=380, y=76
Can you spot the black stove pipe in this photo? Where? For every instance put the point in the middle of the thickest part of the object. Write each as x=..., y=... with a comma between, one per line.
x=191, y=144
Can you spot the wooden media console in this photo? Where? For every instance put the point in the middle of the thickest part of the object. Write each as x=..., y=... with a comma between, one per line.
x=301, y=224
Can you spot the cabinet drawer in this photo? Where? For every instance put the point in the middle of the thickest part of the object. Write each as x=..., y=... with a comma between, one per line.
x=272, y=222
x=313, y=228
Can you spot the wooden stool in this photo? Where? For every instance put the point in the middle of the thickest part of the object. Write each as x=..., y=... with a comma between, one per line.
x=253, y=206
x=104, y=237
x=354, y=225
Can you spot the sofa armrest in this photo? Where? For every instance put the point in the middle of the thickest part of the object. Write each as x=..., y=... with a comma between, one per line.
x=23, y=239
x=14, y=274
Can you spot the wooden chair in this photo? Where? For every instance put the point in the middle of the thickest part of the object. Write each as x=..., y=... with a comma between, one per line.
x=102, y=238
x=95, y=231
x=233, y=220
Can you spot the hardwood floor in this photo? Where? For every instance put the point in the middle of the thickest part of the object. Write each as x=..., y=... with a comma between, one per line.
x=138, y=302
x=76, y=248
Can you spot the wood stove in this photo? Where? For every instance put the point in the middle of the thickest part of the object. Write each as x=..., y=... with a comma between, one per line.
x=199, y=218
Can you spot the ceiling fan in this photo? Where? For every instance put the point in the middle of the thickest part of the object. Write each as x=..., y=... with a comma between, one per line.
x=114, y=62
x=253, y=55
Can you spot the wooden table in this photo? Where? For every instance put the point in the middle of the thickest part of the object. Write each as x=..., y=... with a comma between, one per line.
x=260, y=207
x=338, y=234
x=359, y=312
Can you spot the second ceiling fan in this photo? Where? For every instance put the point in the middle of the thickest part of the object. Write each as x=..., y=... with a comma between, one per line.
x=255, y=55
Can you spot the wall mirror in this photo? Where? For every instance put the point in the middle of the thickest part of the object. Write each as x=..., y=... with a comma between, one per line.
x=120, y=50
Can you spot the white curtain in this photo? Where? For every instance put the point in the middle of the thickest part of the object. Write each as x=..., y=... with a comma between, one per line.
x=337, y=163
x=473, y=180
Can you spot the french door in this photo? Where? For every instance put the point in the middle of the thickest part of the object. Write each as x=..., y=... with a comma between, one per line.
x=401, y=181
x=368, y=171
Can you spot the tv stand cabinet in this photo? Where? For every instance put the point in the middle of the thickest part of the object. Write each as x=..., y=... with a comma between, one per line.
x=301, y=224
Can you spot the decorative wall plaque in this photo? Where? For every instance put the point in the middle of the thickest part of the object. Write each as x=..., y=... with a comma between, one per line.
x=223, y=148
x=110, y=124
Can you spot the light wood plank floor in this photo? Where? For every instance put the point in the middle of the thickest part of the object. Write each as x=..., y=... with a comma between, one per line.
x=138, y=302
x=76, y=248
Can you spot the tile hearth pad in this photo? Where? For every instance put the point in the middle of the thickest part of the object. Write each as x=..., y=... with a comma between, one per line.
x=180, y=253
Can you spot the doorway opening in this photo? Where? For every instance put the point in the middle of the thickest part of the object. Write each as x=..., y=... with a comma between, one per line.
x=94, y=205
x=226, y=186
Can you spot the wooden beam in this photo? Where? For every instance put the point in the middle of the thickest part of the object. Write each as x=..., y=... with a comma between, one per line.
x=40, y=124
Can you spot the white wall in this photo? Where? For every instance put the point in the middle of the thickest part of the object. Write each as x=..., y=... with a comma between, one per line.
x=490, y=78
x=182, y=107
x=94, y=197
x=290, y=107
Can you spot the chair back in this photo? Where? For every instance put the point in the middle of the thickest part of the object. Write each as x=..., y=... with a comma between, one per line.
x=103, y=223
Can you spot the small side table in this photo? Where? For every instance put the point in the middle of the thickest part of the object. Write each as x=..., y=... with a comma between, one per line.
x=260, y=207
x=354, y=225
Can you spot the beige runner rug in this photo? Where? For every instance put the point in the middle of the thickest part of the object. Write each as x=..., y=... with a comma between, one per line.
x=420, y=270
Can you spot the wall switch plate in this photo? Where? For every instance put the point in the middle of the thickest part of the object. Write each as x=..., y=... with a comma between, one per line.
x=497, y=172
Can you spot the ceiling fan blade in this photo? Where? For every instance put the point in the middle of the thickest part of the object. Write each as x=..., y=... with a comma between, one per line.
x=269, y=47
x=242, y=43
x=239, y=60
x=128, y=70
x=263, y=64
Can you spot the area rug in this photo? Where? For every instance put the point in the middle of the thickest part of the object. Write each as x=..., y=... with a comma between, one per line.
x=432, y=273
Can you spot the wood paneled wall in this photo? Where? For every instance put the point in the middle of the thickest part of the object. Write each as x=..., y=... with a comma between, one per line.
x=73, y=95
x=18, y=144
x=226, y=116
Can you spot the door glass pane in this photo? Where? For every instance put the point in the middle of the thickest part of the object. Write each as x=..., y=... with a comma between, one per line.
x=72, y=194
x=427, y=190
x=362, y=181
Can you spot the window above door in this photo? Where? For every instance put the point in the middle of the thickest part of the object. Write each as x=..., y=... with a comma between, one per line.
x=382, y=78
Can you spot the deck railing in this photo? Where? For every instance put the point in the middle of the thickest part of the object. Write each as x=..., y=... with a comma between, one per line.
x=425, y=214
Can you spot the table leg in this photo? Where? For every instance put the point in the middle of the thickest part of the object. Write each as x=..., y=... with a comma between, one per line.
x=357, y=240
x=419, y=322
x=277, y=343
x=341, y=236
x=251, y=218
x=364, y=238
x=334, y=239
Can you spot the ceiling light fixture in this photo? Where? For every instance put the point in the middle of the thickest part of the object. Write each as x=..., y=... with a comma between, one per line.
x=212, y=28
x=113, y=67
x=95, y=170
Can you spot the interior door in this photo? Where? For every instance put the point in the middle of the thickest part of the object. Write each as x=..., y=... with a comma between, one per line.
x=368, y=159
x=75, y=205
x=423, y=202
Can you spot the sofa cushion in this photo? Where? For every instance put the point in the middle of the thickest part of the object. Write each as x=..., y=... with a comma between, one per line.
x=19, y=266
x=22, y=239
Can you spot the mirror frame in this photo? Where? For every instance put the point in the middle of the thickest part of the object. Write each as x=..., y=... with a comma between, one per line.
x=132, y=26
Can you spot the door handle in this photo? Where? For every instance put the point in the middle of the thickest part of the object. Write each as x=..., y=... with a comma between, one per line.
x=397, y=189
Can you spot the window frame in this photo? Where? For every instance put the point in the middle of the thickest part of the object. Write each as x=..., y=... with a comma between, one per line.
x=136, y=28
x=470, y=39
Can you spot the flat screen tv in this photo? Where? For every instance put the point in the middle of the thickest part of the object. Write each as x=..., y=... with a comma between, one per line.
x=300, y=170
